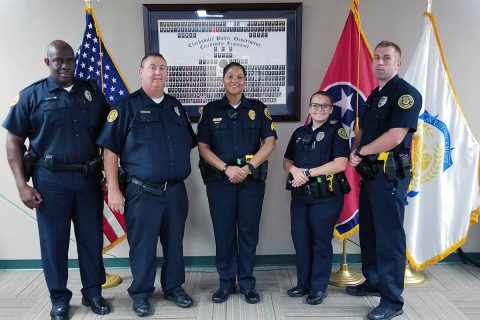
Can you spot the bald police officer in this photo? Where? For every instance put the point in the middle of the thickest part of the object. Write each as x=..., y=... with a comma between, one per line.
x=381, y=154
x=151, y=134
x=61, y=117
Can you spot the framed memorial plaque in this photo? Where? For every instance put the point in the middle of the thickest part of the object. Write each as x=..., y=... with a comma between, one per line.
x=198, y=40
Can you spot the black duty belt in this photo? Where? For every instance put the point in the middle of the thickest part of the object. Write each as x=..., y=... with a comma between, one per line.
x=77, y=167
x=153, y=188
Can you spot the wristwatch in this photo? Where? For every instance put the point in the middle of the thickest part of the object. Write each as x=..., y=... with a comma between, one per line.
x=307, y=173
x=357, y=152
x=225, y=168
x=250, y=166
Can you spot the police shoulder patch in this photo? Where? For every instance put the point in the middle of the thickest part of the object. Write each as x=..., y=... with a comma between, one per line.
x=112, y=115
x=406, y=101
x=342, y=133
x=267, y=113
x=15, y=100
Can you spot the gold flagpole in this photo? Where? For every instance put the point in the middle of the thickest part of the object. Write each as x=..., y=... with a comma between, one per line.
x=412, y=278
x=344, y=277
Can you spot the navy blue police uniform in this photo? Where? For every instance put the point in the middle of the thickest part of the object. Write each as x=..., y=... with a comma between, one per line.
x=63, y=126
x=232, y=134
x=382, y=200
x=153, y=142
x=313, y=217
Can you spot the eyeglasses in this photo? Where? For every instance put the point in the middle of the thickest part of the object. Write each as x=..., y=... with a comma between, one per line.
x=60, y=61
x=323, y=106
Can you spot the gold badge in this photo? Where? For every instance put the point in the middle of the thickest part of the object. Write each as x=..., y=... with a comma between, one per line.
x=15, y=100
x=112, y=115
x=251, y=114
x=272, y=126
x=267, y=113
x=343, y=134
x=406, y=101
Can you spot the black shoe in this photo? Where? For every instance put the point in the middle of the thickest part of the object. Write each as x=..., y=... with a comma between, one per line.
x=251, y=296
x=97, y=304
x=141, y=307
x=316, y=297
x=59, y=312
x=221, y=295
x=180, y=297
x=383, y=313
x=362, y=290
x=297, y=292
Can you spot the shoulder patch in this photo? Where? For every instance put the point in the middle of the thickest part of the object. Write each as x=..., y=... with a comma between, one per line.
x=267, y=113
x=406, y=101
x=15, y=100
x=112, y=115
x=342, y=133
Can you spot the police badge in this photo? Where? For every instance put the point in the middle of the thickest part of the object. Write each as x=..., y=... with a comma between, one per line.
x=382, y=101
x=88, y=95
x=320, y=136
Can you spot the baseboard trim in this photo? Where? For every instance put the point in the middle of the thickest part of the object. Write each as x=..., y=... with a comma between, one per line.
x=209, y=261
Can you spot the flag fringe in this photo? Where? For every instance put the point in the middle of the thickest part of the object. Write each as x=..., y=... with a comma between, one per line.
x=420, y=266
x=346, y=235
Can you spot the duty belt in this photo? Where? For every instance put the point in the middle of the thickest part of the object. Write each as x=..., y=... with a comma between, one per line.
x=153, y=188
x=77, y=167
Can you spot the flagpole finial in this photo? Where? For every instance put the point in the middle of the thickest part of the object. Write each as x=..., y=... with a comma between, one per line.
x=429, y=6
x=87, y=4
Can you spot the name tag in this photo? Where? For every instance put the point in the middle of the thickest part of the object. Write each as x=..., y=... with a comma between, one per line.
x=145, y=111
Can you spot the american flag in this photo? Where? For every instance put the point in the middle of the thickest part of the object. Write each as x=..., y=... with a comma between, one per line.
x=94, y=62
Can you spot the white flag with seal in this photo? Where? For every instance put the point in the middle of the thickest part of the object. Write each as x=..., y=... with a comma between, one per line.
x=444, y=197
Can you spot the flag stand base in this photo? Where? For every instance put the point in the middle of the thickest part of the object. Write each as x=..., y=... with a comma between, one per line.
x=345, y=277
x=113, y=280
x=412, y=278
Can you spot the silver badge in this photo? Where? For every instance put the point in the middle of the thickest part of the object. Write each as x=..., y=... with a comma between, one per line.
x=88, y=95
x=382, y=101
x=177, y=111
x=320, y=136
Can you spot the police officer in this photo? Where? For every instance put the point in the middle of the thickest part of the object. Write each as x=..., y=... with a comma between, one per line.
x=315, y=152
x=151, y=134
x=236, y=135
x=61, y=117
x=382, y=146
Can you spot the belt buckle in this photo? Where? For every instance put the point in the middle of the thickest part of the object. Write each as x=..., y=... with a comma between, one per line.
x=307, y=189
x=165, y=186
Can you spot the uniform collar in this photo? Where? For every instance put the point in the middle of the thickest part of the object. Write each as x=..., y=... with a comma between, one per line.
x=243, y=102
x=53, y=85
x=147, y=101
x=389, y=84
x=309, y=126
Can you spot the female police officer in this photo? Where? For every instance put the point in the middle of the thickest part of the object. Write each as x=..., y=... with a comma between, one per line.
x=235, y=137
x=314, y=154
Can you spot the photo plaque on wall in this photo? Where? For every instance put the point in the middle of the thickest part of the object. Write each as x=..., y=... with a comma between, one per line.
x=198, y=40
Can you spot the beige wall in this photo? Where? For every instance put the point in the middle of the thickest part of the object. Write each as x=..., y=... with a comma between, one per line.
x=29, y=25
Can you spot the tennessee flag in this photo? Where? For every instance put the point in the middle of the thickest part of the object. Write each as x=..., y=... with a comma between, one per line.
x=444, y=197
x=95, y=62
x=349, y=80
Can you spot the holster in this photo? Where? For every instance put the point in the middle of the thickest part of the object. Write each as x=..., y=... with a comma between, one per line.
x=122, y=180
x=364, y=170
x=405, y=165
x=93, y=166
x=202, y=165
x=29, y=158
x=341, y=178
